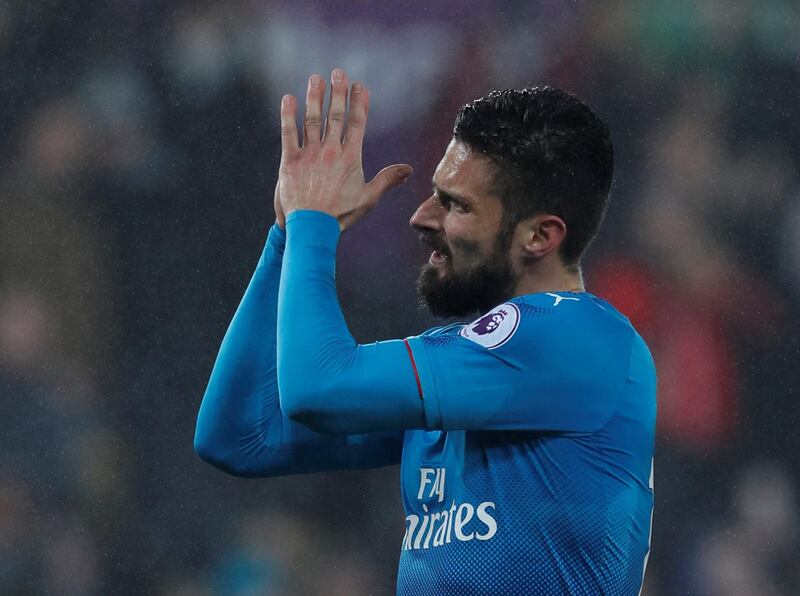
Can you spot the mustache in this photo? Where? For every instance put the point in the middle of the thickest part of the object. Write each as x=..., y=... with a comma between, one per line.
x=436, y=243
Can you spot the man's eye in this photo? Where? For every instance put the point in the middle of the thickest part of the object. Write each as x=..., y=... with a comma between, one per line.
x=452, y=204
x=457, y=206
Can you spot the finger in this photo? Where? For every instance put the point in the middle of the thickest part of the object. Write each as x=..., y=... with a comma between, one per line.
x=290, y=144
x=387, y=178
x=312, y=121
x=338, y=107
x=357, y=121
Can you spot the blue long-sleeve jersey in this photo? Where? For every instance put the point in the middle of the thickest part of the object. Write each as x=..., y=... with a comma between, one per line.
x=525, y=437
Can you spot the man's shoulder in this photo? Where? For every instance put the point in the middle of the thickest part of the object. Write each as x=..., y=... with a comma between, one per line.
x=574, y=316
x=552, y=317
x=582, y=305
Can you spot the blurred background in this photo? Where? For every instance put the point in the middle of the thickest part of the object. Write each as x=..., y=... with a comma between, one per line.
x=139, y=141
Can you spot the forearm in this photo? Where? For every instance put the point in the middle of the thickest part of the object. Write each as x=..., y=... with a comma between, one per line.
x=241, y=428
x=242, y=393
x=329, y=382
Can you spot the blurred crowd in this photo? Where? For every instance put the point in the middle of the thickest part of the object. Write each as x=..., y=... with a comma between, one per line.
x=138, y=154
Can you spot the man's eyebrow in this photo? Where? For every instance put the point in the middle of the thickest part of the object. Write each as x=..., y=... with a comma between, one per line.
x=449, y=195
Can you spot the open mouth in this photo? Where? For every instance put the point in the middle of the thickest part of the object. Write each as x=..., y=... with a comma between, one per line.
x=437, y=259
x=439, y=255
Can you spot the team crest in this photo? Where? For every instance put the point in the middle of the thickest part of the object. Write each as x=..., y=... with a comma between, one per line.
x=494, y=328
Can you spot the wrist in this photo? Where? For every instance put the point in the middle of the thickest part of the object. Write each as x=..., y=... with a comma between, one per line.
x=317, y=228
x=313, y=209
x=276, y=239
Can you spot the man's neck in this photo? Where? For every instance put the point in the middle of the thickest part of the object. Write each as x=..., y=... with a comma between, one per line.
x=557, y=280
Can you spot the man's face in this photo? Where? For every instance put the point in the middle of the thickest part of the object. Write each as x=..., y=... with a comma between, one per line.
x=469, y=268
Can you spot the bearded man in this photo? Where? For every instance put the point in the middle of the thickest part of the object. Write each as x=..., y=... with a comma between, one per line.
x=526, y=437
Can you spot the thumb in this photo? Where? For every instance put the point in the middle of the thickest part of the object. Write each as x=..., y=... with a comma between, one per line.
x=387, y=178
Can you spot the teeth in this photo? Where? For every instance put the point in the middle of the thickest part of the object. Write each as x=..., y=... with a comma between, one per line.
x=437, y=258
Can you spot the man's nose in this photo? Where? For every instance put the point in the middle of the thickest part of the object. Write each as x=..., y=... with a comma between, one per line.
x=428, y=216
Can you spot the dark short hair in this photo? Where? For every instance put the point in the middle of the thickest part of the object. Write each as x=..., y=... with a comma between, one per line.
x=553, y=155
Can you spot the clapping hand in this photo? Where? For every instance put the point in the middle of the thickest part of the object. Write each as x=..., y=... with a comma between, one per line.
x=326, y=172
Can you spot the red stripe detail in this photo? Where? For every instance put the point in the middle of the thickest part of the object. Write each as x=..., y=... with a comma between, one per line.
x=414, y=366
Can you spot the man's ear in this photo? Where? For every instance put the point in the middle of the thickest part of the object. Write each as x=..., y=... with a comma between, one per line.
x=540, y=235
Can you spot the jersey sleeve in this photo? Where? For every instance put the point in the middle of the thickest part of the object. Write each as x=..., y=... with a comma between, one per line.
x=329, y=382
x=241, y=428
x=541, y=362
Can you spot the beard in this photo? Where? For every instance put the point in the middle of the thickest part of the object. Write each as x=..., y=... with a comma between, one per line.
x=452, y=294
